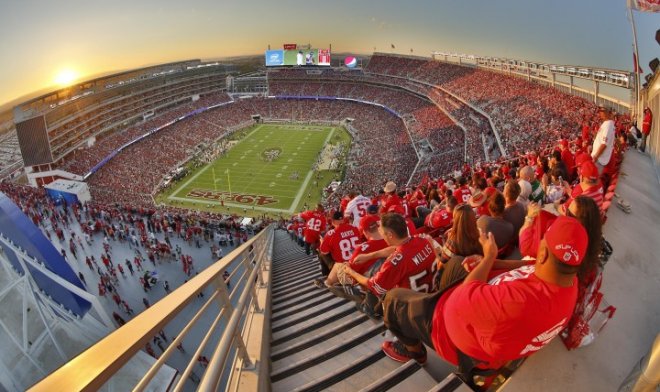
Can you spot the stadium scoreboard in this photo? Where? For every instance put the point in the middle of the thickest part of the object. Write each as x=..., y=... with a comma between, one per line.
x=297, y=56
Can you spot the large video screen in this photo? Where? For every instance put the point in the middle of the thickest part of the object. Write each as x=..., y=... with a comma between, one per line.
x=298, y=57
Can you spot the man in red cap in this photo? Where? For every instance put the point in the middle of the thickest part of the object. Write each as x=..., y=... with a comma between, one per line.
x=491, y=317
x=589, y=185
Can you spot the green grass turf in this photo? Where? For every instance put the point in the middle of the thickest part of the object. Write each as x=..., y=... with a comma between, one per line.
x=258, y=186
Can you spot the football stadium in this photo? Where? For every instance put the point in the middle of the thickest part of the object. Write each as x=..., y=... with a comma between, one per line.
x=310, y=218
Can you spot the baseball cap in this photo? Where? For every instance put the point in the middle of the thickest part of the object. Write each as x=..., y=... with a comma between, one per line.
x=603, y=109
x=337, y=215
x=397, y=208
x=567, y=240
x=563, y=142
x=589, y=170
x=372, y=209
x=368, y=222
x=582, y=158
x=390, y=187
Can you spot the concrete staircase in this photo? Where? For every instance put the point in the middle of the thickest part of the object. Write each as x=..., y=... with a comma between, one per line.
x=322, y=342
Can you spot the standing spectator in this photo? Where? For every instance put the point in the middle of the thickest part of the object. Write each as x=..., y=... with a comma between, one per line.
x=166, y=286
x=646, y=127
x=604, y=140
x=146, y=303
x=314, y=226
x=82, y=278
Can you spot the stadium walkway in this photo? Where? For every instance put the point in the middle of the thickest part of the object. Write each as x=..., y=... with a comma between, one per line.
x=631, y=283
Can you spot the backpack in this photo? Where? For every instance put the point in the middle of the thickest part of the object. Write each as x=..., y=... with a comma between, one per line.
x=592, y=311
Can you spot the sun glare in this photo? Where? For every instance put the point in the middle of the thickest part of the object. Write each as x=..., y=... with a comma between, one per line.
x=65, y=77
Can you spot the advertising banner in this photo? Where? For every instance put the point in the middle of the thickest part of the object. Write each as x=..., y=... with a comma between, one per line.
x=274, y=58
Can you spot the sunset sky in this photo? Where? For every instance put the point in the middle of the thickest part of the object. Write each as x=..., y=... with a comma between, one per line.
x=43, y=39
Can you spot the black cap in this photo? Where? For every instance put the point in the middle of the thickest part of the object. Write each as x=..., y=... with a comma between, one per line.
x=337, y=215
x=372, y=209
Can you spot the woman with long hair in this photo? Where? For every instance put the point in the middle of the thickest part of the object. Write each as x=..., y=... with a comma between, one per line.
x=463, y=237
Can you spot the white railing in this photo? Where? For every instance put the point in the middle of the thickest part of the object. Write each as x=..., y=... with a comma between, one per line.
x=233, y=310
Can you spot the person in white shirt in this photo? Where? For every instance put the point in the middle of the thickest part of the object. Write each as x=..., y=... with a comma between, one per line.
x=604, y=140
x=300, y=58
x=356, y=208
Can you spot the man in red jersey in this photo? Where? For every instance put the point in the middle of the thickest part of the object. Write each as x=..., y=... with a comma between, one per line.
x=409, y=266
x=375, y=242
x=491, y=317
x=337, y=247
x=315, y=224
x=462, y=193
x=441, y=218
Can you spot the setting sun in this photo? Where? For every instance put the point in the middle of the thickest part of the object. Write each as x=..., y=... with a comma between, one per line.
x=65, y=77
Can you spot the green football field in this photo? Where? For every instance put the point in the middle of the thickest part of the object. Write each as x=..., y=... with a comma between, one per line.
x=270, y=170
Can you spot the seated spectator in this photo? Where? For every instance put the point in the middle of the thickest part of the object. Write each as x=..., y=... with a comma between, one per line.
x=495, y=223
x=527, y=174
x=440, y=218
x=514, y=211
x=462, y=238
x=556, y=162
x=491, y=317
x=390, y=198
x=409, y=266
x=462, y=193
x=556, y=190
x=337, y=247
x=589, y=185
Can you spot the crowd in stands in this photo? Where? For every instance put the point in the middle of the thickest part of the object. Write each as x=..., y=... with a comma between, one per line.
x=85, y=159
x=423, y=250
x=527, y=115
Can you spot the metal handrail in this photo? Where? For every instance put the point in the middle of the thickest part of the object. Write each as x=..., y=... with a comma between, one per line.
x=94, y=367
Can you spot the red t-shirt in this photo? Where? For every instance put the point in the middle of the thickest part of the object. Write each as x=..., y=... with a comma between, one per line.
x=389, y=201
x=314, y=226
x=366, y=247
x=595, y=192
x=410, y=266
x=512, y=316
x=462, y=194
x=340, y=242
x=438, y=219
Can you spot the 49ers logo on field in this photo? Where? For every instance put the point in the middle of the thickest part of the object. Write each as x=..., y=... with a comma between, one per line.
x=259, y=200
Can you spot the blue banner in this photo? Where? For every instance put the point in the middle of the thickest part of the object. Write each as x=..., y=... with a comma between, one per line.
x=274, y=58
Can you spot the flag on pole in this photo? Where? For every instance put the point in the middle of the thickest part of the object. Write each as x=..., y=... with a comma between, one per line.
x=636, y=67
x=644, y=5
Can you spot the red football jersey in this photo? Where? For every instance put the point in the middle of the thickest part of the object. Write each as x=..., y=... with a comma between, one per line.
x=314, y=226
x=410, y=266
x=462, y=194
x=438, y=219
x=513, y=315
x=366, y=247
x=340, y=242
